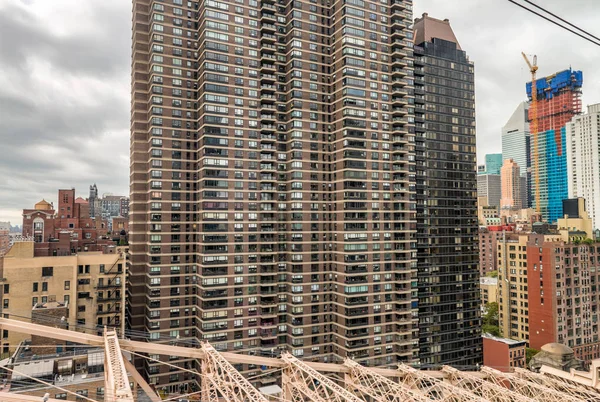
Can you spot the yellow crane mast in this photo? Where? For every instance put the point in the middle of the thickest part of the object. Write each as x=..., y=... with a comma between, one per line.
x=533, y=126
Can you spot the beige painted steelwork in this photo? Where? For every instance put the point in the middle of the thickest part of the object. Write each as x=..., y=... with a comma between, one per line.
x=304, y=381
x=116, y=382
x=301, y=383
x=489, y=391
x=573, y=389
x=378, y=387
x=526, y=388
x=221, y=380
x=432, y=387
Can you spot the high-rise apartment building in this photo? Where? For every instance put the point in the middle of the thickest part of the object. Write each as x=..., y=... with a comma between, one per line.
x=272, y=178
x=447, y=230
x=510, y=178
x=583, y=160
x=516, y=146
x=558, y=101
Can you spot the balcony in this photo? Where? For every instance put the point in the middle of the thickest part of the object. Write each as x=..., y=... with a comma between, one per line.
x=265, y=16
x=109, y=284
x=357, y=344
x=269, y=28
x=109, y=297
x=112, y=310
x=267, y=37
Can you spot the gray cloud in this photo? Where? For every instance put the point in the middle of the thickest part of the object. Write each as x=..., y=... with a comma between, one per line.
x=494, y=32
x=64, y=83
x=64, y=99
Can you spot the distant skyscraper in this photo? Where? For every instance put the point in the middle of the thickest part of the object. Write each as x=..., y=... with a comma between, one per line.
x=558, y=100
x=93, y=200
x=583, y=160
x=490, y=186
x=493, y=163
x=510, y=178
x=272, y=179
x=516, y=146
x=447, y=229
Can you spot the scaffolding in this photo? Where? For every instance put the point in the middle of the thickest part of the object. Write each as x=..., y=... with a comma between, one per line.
x=555, y=99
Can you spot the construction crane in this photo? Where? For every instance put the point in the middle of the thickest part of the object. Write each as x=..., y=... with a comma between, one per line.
x=533, y=126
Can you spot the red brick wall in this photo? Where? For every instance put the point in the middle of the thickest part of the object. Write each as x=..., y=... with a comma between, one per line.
x=66, y=203
x=495, y=354
x=542, y=326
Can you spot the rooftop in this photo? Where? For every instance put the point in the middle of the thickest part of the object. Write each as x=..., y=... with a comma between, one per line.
x=427, y=28
x=486, y=280
x=507, y=341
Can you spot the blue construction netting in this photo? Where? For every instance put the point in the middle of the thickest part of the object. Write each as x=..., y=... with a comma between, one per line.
x=547, y=87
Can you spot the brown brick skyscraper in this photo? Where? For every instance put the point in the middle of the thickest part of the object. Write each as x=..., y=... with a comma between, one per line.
x=272, y=178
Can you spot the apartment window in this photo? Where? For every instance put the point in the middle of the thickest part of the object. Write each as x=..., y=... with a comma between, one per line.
x=35, y=286
x=67, y=285
x=82, y=392
x=5, y=303
x=34, y=301
x=61, y=396
x=6, y=288
x=44, y=286
x=47, y=271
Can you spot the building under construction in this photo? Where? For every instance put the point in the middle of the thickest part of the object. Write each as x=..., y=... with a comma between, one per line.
x=558, y=99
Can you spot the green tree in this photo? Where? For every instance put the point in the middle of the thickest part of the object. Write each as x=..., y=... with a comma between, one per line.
x=490, y=329
x=490, y=319
x=491, y=314
x=492, y=274
x=529, y=353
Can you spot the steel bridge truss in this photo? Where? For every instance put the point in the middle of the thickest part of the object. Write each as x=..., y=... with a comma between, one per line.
x=310, y=381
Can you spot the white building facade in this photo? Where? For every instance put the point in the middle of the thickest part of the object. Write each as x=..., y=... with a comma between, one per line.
x=583, y=160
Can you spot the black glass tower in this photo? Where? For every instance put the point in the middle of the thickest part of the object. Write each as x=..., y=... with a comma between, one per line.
x=447, y=239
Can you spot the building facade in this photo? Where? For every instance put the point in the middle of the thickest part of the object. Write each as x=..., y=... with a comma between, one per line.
x=583, y=160
x=513, y=302
x=490, y=187
x=272, y=178
x=503, y=354
x=488, y=246
x=493, y=163
x=447, y=230
x=558, y=101
x=489, y=290
x=547, y=287
x=516, y=141
x=510, y=179
x=564, y=299
x=4, y=237
x=94, y=201
x=66, y=230
x=88, y=288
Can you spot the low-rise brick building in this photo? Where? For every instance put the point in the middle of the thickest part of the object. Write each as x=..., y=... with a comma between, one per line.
x=503, y=354
x=66, y=230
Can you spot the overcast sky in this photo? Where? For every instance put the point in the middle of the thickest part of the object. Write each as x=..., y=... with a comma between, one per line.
x=64, y=84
